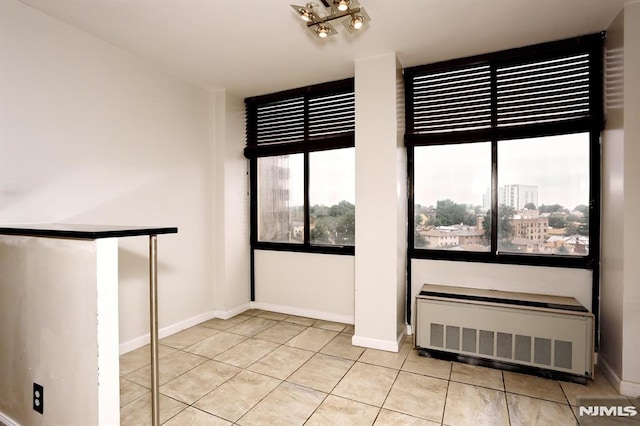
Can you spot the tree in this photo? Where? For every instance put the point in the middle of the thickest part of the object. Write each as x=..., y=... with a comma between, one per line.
x=450, y=213
x=582, y=208
x=571, y=229
x=557, y=221
x=550, y=209
x=530, y=206
x=346, y=228
x=506, y=229
x=320, y=232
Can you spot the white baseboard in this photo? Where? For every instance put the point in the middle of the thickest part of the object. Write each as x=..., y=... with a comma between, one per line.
x=138, y=342
x=624, y=387
x=8, y=421
x=383, y=345
x=233, y=312
x=309, y=313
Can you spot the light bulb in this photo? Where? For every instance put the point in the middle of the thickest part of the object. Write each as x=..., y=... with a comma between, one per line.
x=323, y=31
x=343, y=5
x=357, y=22
x=305, y=15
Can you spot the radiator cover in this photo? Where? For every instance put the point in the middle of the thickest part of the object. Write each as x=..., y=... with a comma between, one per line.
x=547, y=332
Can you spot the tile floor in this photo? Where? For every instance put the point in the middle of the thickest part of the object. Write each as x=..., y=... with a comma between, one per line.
x=266, y=368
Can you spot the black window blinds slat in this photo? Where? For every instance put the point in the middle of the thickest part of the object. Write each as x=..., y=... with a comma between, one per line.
x=533, y=86
x=325, y=111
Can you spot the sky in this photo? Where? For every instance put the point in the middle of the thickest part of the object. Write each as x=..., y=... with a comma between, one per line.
x=331, y=177
x=557, y=165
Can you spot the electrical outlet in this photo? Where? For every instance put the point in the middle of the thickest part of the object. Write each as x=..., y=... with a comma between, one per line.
x=38, y=398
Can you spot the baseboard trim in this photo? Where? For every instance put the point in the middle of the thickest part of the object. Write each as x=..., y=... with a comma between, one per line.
x=309, y=313
x=233, y=312
x=383, y=345
x=8, y=421
x=624, y=387
x=138, y=342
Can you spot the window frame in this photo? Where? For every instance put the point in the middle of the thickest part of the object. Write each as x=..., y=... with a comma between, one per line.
x=305, y=145
x=593, y=124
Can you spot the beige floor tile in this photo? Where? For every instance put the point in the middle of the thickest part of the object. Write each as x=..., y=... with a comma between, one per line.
x=170, y=367
x=349, y=329
x=525, y=411
x=341, y=346
x=282, y=362
x=312, y=339
x=288, y=404
x=194, y=417
x=599, y=386
x=130, y=391
x=140, y=357
x=330, y=325
x=224, y=324
x=307, y=322
x=188, y=337
x=138, y=413
x=281, y=332
x=216, y=344
x=252, y=326
x=427, y=366
x=233, y=399
x=476, y=375
x=276, y=316
x=339, y=411
x=418, y=396
x=392, y=418
x=385, y=358
x=321, y=372
x=253, y=312
x=536, y=387
x=246, y=353
x=366, y=383
x=195, y=383
x=474, y=406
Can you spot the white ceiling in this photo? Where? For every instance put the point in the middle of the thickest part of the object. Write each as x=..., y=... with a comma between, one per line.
x=252, y=47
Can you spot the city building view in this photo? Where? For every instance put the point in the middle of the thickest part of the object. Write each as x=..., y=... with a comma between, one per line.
x=523, y=226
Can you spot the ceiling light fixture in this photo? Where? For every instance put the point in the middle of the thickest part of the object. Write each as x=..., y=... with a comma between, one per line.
x=343, y=5
x=317, y=19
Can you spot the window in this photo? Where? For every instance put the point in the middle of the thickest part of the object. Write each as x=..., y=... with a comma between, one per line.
x=504, y=155
x=300, y=145
x=450, y=181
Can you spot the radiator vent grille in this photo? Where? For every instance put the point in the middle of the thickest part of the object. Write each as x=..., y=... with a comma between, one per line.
x=506, y=346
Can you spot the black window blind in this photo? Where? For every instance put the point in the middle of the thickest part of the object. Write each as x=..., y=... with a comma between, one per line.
x=486, y=96
x=301, y=120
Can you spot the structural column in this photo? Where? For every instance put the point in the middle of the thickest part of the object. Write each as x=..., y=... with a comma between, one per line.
x=381, y=204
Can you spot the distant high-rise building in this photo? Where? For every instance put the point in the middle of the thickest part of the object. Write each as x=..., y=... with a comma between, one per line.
x=486, y=199
x=274, y=217
x=518, y=196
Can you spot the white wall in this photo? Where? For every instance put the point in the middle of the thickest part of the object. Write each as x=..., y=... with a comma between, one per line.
x=621, y=204
x=59, y=328
x=230, y=208
x=92, y=134
x=380, y=260
x=307, y=284
x=631, y=294
x=613, y=192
